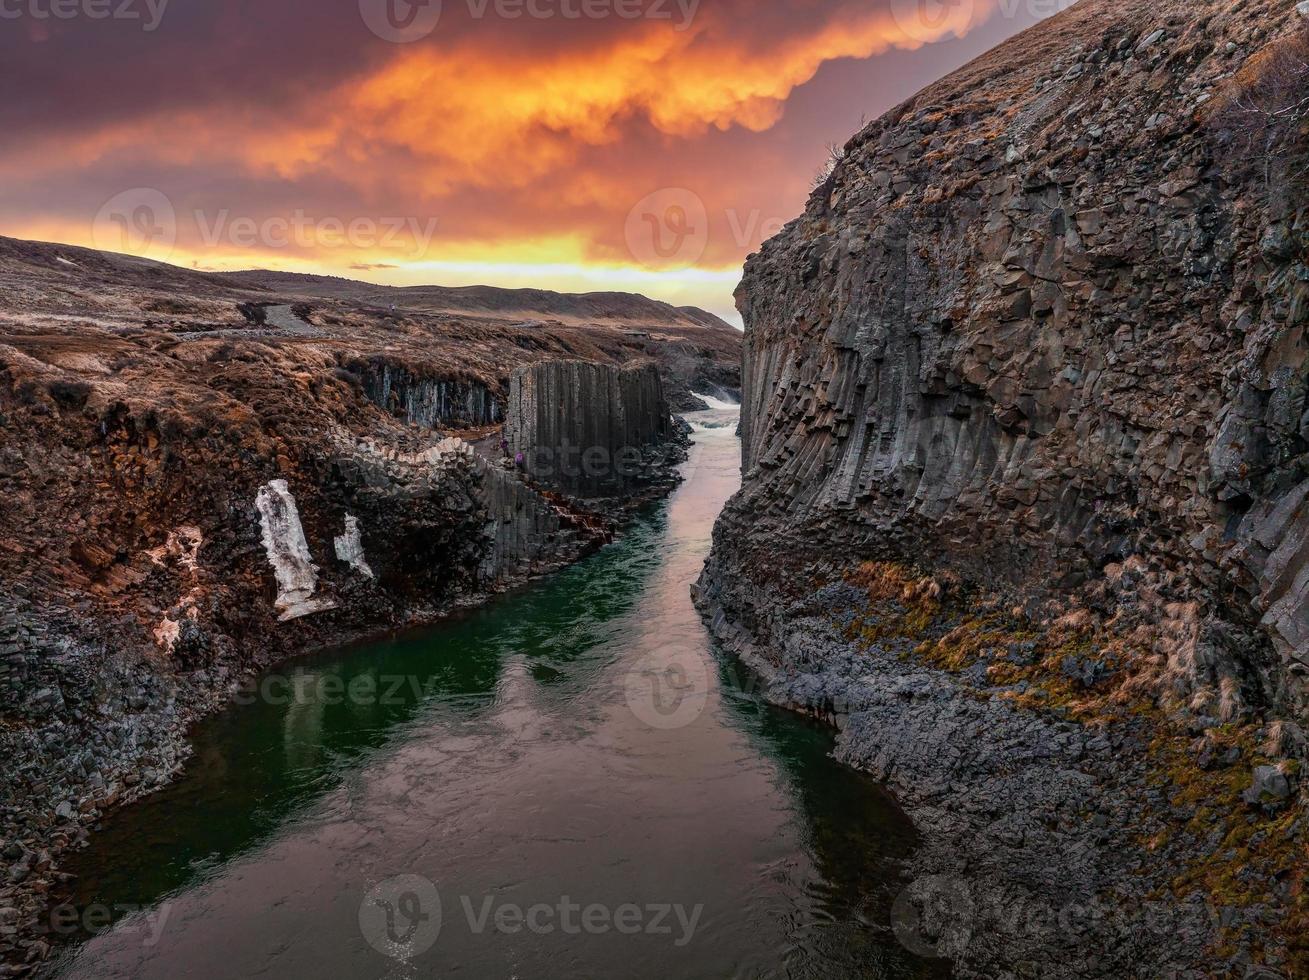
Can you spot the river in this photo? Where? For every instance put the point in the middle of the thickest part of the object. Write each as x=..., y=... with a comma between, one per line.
x=566, y=782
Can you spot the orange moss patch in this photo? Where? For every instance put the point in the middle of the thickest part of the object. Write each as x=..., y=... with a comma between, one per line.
x=906, y=603
x=1254, y=846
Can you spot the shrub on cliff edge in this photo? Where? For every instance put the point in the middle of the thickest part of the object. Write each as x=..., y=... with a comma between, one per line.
x=1264, y=118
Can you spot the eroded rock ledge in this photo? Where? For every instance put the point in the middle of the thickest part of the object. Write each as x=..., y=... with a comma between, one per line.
x=1040, y=339
x=1067, y=829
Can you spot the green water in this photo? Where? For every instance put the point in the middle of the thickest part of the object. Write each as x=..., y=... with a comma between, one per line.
x=565, y=783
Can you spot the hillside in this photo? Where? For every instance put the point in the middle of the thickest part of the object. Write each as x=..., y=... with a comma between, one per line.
x=69, y=291
x=603, y=307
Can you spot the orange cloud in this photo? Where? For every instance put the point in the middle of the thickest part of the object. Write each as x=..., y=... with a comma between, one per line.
x=479, y=120
x=531, y=152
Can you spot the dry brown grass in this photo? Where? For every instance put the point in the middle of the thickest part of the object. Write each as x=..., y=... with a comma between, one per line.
x=1264, y=112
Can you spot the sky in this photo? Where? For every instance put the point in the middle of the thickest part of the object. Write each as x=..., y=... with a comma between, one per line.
x=642, y=145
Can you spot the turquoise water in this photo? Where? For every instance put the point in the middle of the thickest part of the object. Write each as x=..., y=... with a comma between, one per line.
x=565, y=783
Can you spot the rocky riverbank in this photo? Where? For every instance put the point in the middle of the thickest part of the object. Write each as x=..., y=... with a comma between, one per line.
x=1026, y=456
x=1067, y=828
x=95, y=720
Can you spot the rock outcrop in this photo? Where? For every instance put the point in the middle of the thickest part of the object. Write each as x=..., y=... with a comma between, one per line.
x=429, y=402
x=588, y=429
x=1042, y=340
x=1038, y=322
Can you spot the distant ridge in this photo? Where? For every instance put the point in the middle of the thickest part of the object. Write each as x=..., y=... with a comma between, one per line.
x=634, y=308
x=494, y=300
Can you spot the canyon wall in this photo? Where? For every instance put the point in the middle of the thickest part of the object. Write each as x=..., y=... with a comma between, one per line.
x=1046, y=319
x=587, y=428
x=431, y=402
x=1026, y=466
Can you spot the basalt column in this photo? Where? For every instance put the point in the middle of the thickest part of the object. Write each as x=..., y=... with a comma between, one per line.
x=585, y=428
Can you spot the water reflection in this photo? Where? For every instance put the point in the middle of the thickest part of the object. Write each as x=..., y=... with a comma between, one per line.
x=501, y=757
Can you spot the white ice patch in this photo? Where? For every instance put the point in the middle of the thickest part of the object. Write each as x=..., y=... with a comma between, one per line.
x=350, y=547
x=288, y=553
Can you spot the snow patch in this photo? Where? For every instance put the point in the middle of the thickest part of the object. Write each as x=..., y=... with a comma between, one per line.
x=350, y=547
x=288, y=553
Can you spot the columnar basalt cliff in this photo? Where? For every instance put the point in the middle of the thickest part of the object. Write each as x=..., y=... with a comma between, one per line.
x=198, y=482
x=1025, y=412
x=590, y=429
x=432, y=402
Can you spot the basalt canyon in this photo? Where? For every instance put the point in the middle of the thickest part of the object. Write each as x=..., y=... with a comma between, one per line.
x=1026, y=458
x=989, y=660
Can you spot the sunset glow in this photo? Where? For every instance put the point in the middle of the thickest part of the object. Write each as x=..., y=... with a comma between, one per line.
x=517, y=151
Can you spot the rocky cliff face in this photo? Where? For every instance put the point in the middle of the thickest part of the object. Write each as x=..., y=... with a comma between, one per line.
x=430, y=402
x=1040, y=340
x=589, y=429
x=1039, y=323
